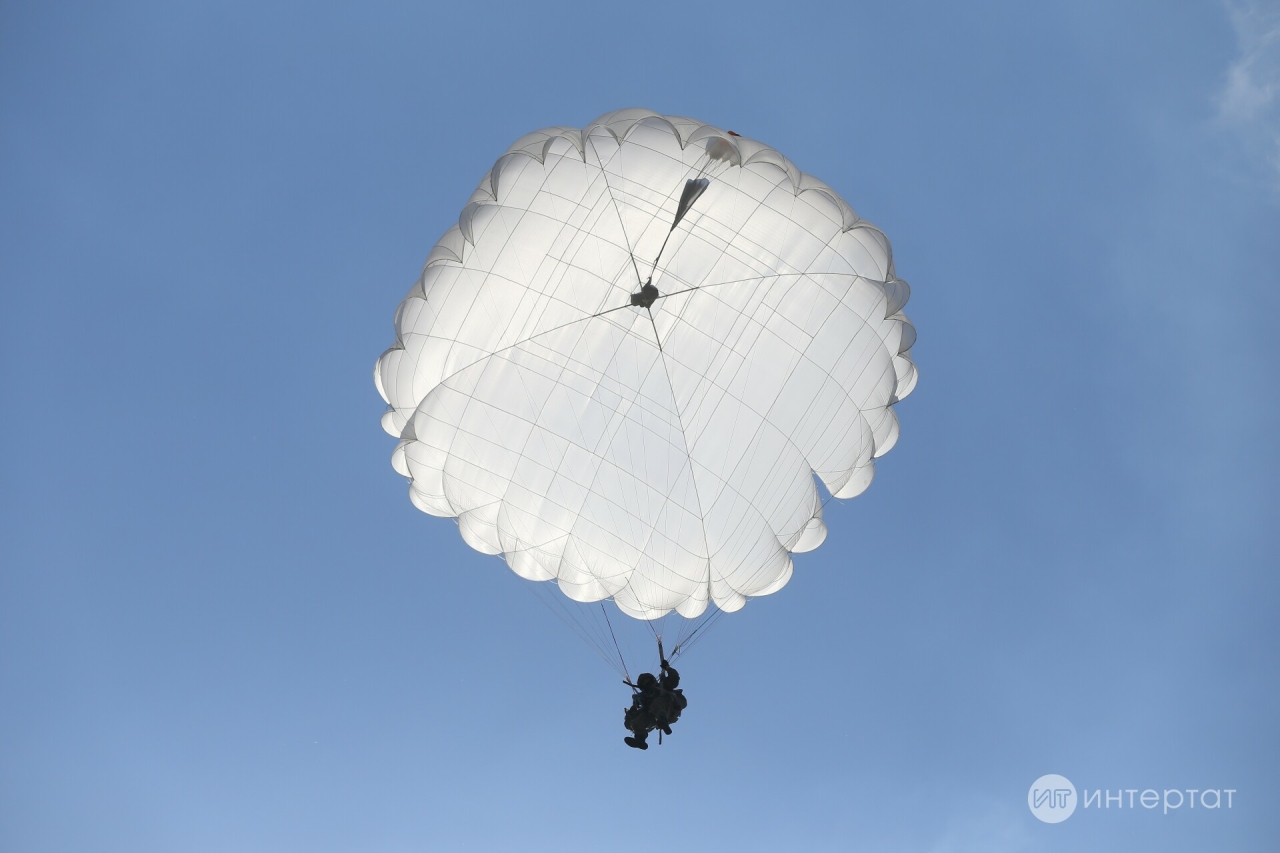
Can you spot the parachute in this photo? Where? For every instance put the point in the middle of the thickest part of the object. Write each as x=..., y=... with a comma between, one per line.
x=633, y=361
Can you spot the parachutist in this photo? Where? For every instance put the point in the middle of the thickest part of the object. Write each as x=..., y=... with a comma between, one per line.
x=655, y=704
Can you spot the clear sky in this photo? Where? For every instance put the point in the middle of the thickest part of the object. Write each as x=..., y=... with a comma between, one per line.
x=223, y=627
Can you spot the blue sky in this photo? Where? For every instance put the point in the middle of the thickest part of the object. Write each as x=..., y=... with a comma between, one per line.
x=224, y=627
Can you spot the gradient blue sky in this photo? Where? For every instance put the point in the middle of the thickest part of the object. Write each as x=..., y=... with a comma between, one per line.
x=224, y=628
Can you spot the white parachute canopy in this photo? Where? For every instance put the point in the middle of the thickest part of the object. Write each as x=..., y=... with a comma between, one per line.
x=656, y=445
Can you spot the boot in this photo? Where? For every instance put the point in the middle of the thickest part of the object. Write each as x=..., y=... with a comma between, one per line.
x=635, y=743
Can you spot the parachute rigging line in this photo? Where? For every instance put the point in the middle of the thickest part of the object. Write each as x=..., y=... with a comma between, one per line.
x=582, y=629
x=604, y=173
x=615, y=640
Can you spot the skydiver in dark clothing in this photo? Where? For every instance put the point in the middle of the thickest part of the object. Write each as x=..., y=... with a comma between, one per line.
x=637, y=718
x=655, y=704
x=670, y=701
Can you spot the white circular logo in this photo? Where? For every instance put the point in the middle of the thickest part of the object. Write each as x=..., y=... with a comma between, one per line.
x=1052, y=798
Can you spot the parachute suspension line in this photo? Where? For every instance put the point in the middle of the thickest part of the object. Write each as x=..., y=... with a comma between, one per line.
x=614, y=203
x=657, y=628
x=523, y=341
x=700, y=630
x=682, y=639
x=625, y=674
x=658, y=340
x=585, y=631
x=755, y=278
